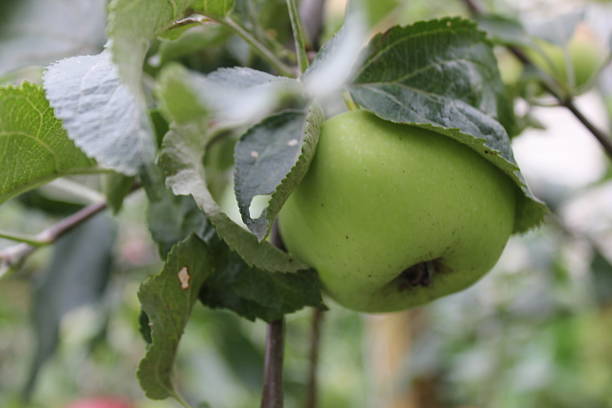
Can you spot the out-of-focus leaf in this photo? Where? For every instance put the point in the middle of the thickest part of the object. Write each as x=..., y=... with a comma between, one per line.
x=504, y=30
x=167, y=299
x=132, y=25
x=102, y=116
x=378, y=10
x=405, y=79
x=271, y=159
x=214, y=8
x=256, y=294
x=38, y=32
x=77, y=276
x=117, y=187
x=171, y=218
x=601, y=278
x=53, y=206
x=198, y=38
x=560, y=29
x=34, y=148
x=334, y=65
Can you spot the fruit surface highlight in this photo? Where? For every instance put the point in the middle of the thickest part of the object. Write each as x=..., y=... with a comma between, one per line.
x=393, y=216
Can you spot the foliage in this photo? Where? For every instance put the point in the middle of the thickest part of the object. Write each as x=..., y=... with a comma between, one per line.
x=178, y=84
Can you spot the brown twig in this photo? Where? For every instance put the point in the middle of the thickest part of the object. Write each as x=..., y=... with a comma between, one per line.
x=14, y=255
x=313, y=356
x=272, y=396
x=564, y=100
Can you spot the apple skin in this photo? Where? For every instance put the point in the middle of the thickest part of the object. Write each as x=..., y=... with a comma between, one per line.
x=380, y=198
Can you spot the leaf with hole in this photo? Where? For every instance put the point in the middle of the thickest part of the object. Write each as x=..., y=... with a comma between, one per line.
x=271, y=159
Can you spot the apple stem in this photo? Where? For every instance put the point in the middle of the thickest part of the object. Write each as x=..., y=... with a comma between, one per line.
x=313, y=356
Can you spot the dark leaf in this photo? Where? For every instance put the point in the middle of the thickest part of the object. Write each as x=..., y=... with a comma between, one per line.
x=271, y=159
x=256, y=294
x=171, y=218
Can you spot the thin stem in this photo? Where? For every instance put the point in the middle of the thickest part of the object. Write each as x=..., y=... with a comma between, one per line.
x=299, y=36
x=261, y=49
x=313, y=356
x=272, y=396
x=566, y=101
x=13, y=256
x=22, y=238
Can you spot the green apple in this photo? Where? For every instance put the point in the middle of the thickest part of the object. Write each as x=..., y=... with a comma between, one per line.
x=393, y=216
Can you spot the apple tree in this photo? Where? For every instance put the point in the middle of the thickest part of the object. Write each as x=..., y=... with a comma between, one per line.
x=287, y=161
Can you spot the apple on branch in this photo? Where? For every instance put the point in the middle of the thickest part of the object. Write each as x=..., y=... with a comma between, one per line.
x=393, y=216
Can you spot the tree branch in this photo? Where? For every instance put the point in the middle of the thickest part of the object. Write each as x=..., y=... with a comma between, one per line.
x=566, y=101
x=13, y=256
x=313, y=356
x=272, y=396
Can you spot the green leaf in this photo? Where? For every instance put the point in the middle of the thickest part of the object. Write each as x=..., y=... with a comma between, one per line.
x=116, y=188
x=216, y=9
x=178, y=98
x=256, y=294
x=442, y=75
x=271, y=159
x=181, y=160
x=171, y=219
x=77, y=275
x=199, y=38
x=34, y=148
x=102, y=116
x=132, y=25
x=504, y=30
x=38, y=32
x=167, y=299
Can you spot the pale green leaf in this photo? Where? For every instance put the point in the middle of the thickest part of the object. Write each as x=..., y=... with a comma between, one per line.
x=102, y=116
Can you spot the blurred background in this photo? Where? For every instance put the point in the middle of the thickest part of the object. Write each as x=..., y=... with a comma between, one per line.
x=535, y=332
